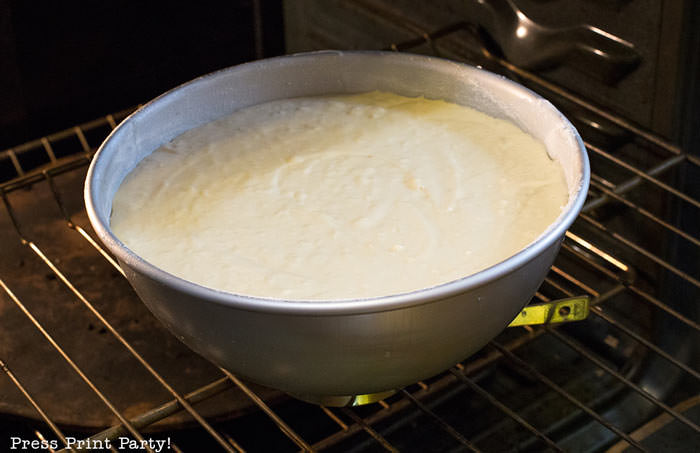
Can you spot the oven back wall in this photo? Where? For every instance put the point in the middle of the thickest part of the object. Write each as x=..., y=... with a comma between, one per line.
x=64, y=63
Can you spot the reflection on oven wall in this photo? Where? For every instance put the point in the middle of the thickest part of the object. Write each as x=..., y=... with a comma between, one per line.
x=627, y=56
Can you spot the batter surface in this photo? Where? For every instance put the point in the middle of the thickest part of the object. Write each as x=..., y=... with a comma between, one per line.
x=339, y=197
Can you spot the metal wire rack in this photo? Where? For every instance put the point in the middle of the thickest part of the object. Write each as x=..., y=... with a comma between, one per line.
x=601, y=257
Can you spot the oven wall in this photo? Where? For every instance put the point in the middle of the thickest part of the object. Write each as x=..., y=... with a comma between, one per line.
x=64, y=63
x=648, y=94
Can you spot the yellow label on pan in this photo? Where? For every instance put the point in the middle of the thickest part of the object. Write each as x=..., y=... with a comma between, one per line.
x=557, y=311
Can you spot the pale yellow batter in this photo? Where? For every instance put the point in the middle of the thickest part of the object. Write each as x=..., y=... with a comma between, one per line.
x=339, y=197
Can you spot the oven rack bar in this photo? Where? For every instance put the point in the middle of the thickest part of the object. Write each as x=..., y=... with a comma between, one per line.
x=575, y=401
x=47, y=143
x=167, y=409
x=281, y=424
x=624, y=283
x=425, y=391
x=442, y=423
x=598, y=184
x=126, y=423
x=56, y=430
x=476, y=388
x=597, y=311
x=639, y=249
x=644, y=175
x=361, y=424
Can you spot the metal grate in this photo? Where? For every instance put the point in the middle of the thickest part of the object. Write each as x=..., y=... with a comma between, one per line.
x=572, y=388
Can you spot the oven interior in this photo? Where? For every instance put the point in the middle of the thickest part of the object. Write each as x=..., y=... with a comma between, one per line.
x=83, y=358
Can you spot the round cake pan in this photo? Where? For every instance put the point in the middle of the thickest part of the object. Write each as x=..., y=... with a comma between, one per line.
x=326, y=351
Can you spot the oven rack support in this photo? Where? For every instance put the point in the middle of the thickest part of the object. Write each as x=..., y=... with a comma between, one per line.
x=418, y=398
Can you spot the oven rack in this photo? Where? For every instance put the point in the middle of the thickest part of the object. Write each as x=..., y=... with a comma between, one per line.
x=590, y=248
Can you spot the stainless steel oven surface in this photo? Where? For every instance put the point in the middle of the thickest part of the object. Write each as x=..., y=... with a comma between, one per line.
x=86, y=366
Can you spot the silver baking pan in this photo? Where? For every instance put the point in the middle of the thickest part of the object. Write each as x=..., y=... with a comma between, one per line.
x=330, y=351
